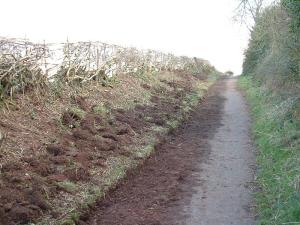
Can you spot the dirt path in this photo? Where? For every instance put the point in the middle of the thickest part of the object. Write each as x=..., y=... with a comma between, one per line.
x=198, y=176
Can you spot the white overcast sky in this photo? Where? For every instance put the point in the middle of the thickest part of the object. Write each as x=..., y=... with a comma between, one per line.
x=201, y=28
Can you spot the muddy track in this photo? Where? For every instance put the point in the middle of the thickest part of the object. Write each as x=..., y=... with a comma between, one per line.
x=199, y=175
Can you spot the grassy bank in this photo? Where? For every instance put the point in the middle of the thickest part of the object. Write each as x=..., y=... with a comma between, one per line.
x=276, y=131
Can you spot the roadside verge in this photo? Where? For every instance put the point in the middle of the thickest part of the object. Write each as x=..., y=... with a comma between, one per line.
x=276, y=132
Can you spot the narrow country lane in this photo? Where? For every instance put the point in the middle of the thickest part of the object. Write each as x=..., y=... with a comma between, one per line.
x=200, y=175
x=222, y=195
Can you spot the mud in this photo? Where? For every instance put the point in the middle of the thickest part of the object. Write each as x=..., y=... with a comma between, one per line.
x=199, y=175
x=26, y=188
x=223, y=181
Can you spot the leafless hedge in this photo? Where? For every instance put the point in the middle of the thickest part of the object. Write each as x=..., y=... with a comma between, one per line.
x=25, y=65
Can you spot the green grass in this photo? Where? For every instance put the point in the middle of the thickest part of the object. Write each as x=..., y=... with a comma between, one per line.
x=101, y=110
x=77, y=112
x=276, y=131
x=68, y=186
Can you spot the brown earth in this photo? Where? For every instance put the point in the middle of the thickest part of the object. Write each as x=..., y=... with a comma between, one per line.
x=147, y=195
x=198, y=175
x=50, y=154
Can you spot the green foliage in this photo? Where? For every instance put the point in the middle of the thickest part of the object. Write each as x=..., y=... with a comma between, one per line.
x=274, y=48
x=273, y=57
x=276, y=131
x=192, y=99
x=293, y=8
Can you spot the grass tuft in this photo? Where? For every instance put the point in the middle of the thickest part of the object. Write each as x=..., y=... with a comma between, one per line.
x=77, y=112
x=67, y=186
x=101, y=110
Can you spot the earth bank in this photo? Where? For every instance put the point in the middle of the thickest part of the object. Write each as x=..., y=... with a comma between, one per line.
x=61, y=153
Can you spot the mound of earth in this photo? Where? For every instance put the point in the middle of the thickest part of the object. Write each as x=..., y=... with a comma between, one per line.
x=56, y=151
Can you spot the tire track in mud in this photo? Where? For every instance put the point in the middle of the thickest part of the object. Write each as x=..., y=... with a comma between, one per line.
x=177, y=185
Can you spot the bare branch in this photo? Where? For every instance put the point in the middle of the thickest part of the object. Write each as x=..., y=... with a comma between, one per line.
x=248, y=11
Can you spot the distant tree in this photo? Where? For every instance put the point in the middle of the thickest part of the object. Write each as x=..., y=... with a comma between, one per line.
x=229, y=73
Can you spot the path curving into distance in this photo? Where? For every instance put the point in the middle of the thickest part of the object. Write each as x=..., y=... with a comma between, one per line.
x=200, y=175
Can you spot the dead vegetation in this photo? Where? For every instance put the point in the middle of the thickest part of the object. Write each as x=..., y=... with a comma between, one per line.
x=64, y=149
x=31, y=66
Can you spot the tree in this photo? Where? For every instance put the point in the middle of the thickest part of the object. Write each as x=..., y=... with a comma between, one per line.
x=274, y=48
x=293, y=9
x=248, y=11
x=229, y=73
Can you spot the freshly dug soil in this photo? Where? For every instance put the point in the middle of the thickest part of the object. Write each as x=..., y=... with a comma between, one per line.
x=198, y=176
x=48, y=168
x=146, y=196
